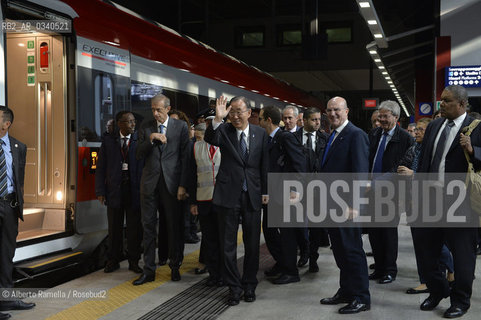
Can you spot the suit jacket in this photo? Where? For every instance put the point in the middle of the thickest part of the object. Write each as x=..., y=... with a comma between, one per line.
x=108, y=175
x=19, y=156
x=286, y=153
x=171, y=157
x=314, y=159
x=349, y=152
x=395, y=150
x=455, y=159
x=231, y=174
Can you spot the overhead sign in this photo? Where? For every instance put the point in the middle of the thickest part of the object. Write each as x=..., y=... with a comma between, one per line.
x=370, y=103
x=466, y=76
x=425, y=108
x=99, y=56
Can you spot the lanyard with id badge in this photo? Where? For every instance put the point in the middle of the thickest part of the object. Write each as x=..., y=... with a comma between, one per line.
x=125, y=151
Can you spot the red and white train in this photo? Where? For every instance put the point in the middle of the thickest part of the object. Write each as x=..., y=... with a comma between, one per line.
x=66, y=68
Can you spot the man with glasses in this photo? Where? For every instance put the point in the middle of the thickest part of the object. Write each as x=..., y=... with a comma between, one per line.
x=117, y=185
x=388, y=144
x=240, y=190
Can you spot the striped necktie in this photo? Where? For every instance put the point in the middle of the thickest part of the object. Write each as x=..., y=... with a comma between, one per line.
x=3, y=171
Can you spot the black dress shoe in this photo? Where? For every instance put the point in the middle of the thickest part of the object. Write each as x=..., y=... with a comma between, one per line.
x=387, y=279
x=4, y=316
x=375, y=276
x=354, y=307
x=285, y=279
x=200, y=270
x=430, y=303
x=111, y=267
x=143, y=279
x=134, y=266
x=249, y=296
x=454, y=312
x=272, y=272
x=336, y=299
x=16, y=305
x=414, y=291
x=214, y=282
x=175, y=274
x=233, y=298
x=162, y=262
x=313, y=267
x=302, y=260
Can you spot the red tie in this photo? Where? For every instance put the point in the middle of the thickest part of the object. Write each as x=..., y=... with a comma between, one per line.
x=212, y=151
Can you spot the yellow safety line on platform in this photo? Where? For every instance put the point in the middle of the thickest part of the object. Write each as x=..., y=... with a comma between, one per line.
x=125, y=293
x=55, y=260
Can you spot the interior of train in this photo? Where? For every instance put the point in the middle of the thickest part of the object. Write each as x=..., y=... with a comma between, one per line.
x=36, y=92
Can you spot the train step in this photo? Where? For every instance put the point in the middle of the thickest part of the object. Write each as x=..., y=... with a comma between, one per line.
x=49, y=263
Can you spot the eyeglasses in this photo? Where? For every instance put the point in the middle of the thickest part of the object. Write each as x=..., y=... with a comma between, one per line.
x=129, y=121
x=236, y=113
x=418, y=129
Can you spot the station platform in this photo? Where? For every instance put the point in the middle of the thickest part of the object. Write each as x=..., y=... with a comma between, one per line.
x=190, y=298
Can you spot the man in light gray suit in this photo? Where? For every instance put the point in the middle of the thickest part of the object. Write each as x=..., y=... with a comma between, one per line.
x=163, y=144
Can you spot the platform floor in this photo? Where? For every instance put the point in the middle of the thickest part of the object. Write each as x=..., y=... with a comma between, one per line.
x=293, y=301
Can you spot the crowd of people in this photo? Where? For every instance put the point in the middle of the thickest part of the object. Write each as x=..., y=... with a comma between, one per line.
x=216, y=170
x=159, y=177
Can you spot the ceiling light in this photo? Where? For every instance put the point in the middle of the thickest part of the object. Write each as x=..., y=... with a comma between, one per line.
x=381, y=67
x=377, y=35
x=390, y=82
x=377, y=60
x=371, y=22
x=364, y=4
x=372, y=51
x=384, y=72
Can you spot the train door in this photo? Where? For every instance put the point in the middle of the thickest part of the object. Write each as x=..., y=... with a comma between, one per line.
x=36, y=92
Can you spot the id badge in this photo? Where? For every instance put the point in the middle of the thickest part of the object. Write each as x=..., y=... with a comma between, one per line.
x=125, y=166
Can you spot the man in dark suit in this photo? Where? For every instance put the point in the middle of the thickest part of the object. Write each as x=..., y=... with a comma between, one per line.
x=347, y=151
x=163, y=144
x=285, y=155
x=240, y=190
x=117, y=184
x=12, y=172
x=442, y=152
x=388, y=144
x=313, y=142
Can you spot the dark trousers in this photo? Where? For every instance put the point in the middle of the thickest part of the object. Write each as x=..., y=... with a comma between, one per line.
x=169, y=205
x=251, y=229
x=210, y=246
x=272, y=237
x=115, y=218
x=384, y=242
x=318, y=237
x=282, y=244
x=462, y=243
x=351, y=260
x=302, y=238
x=163, y=240
x=8, y=238
x=445, y=258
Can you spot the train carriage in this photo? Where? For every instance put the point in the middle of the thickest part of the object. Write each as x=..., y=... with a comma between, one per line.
x=65, y=76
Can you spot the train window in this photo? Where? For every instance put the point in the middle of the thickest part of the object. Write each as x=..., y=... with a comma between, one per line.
x=248, y=37
x=339, y=35
x=289, y=35
x=100, y=96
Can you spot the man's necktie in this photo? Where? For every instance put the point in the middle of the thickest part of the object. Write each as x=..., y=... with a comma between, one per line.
x=440, y=147
x=329, y=142
x=3, y=171
x=269, y=140
x=309, y=141
x=161, y=128
x=380, y=152
x=244, y=154
x=125, y=146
